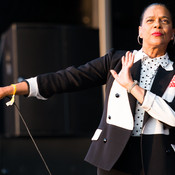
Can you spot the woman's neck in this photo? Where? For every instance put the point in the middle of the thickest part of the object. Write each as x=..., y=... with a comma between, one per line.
x=154, y=52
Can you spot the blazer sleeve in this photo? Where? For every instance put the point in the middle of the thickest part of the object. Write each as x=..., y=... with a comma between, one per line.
x=159, y=108
x=91, y=74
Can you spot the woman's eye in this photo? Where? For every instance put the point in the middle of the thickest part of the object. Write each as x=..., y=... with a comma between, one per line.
x=149, y=20
x=165, y=21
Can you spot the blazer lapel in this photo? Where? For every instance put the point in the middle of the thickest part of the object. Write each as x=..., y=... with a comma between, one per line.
x=135, y=72
x=161, y=81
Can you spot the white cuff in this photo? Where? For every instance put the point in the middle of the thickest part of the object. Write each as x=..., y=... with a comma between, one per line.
x=148, y=101
x=157, y=108
x=33, y=88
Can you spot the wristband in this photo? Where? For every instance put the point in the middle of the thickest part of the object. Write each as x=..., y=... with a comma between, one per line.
x=13, y=96
x=14, y=87
x=130, y=88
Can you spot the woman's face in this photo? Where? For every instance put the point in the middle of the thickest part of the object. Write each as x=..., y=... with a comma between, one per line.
x=156, y=29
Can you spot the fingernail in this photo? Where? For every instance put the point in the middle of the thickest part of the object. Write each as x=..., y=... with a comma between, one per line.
x=112, y=71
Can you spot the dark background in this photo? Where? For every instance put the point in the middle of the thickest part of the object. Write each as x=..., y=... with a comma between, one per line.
x=64, y=154
x=125, y=15
x=40, y=11
x=59, y=135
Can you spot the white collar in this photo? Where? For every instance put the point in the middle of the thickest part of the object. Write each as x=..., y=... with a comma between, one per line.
x=139, y=54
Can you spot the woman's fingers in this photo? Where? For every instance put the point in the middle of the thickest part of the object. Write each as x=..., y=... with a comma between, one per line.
x=114, y=74
x=124, y=76
x=123, y=60
x=128, y=59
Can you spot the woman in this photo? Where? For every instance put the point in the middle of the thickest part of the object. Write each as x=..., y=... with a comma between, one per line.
x=135, y=135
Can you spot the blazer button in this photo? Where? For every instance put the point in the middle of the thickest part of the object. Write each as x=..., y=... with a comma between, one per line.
x=109, y=117
x=104, y=140
x=117, y=95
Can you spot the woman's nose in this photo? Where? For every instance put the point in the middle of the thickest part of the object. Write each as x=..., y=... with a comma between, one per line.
x=157, y=24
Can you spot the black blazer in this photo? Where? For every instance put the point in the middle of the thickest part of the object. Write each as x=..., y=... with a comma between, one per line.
x=110, y=140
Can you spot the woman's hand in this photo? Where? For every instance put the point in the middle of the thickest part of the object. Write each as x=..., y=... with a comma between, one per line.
x=124, y=78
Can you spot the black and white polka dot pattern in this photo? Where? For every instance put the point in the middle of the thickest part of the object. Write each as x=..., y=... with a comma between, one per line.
x=148, y=71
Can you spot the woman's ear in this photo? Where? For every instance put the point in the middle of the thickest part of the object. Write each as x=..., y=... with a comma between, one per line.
x=140, y=31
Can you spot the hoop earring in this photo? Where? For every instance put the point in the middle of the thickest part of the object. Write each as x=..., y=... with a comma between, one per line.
x=138, y=40
x=173, y=40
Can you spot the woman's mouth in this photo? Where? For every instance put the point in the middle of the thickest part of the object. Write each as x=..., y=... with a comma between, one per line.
x=157, y=34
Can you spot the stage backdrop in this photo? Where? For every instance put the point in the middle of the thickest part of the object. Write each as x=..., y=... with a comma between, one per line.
x=32, y=49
